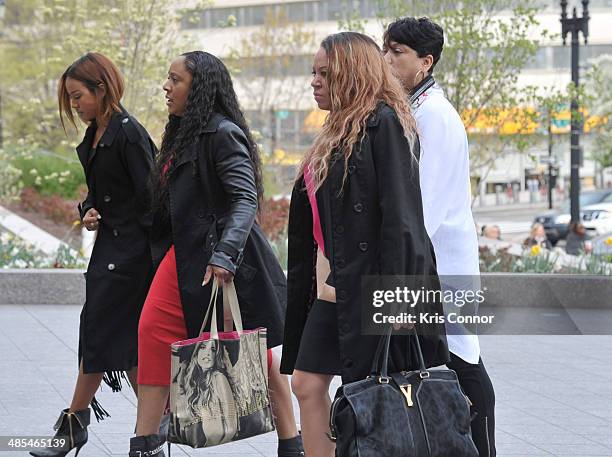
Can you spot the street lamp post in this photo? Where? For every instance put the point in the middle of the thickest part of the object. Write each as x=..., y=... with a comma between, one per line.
x=575, y=25
x=550, y=161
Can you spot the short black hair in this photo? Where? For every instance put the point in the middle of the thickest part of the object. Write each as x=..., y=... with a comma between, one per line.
x=421, y=34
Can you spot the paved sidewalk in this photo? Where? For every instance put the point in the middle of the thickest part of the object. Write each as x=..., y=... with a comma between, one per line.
x=554, y=394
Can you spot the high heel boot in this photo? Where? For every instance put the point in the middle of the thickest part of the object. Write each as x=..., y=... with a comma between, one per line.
x=291, y=447
x=146, y=446
x=163, y=431
x=72, y=427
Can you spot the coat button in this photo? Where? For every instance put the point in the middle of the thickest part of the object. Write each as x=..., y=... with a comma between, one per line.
x=107, y=198
x=111, y=266
x=358, y=207
x=115, y=232
x=125, y=120
x=340, y=229
x=200, y=214
x=351, y=169
x=348, y=363
x=346, y=328
x=101, y=145
x=342, y=295
x=341, y=263
x=363, y=247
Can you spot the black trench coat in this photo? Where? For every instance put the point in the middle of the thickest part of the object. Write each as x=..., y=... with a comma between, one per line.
x=120, y=268
x=377, y=228
x=213, y=204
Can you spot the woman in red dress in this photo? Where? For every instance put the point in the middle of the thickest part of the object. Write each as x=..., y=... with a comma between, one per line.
x=207, y=189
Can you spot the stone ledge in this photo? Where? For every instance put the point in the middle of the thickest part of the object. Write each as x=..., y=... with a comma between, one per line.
x=42, y=286
x=67, y=286
x=547, y=290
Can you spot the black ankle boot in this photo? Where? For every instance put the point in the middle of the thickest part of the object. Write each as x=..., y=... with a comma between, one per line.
x=291, y=447
x=164, y=425
x=163, y=430
x=146, y=446
x=72, y=427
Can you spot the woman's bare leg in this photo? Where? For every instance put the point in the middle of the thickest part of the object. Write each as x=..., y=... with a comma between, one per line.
x=133, y=377
x=282, y=406
x=312, y=392
x=151, y=405
x=85, y=389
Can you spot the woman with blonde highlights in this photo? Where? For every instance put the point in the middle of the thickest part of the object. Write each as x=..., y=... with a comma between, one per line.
x=355, y=210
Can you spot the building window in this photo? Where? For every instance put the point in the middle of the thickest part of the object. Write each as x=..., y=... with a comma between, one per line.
x=296, y=12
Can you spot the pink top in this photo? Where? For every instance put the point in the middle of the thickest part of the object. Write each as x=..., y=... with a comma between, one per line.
x=317, y=231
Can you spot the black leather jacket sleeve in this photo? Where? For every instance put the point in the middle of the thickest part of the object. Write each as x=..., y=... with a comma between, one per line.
x=235, y=171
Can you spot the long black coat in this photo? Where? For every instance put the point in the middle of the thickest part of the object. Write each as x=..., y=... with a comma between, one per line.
x=119, y=271
x=213, y=205
x=377, y=228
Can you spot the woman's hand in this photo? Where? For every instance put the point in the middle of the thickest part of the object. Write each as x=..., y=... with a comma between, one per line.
x=221, y=274
x=404, y=326
x=91, y=220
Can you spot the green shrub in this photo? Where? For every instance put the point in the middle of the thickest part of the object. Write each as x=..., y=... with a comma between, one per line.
x=65, y=257
x=537, y=260
x=10, y=178
x=50, y=174
x=16, y=253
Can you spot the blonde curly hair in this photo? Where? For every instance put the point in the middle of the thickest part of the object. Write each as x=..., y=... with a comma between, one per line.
x=358, y=79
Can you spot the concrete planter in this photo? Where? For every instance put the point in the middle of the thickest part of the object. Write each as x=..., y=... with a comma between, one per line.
x=547, y=290
x=49, y=286
x=42, y=286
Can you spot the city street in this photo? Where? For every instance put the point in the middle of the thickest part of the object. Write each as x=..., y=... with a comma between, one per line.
x=553, y=392
x=514, y=220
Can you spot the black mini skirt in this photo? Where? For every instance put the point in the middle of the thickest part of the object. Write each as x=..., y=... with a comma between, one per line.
x=319, y=351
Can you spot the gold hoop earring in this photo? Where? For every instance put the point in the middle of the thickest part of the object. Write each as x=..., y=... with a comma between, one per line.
x=415, y=78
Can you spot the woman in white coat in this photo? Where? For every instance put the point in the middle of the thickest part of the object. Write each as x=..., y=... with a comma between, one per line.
x=413, y=47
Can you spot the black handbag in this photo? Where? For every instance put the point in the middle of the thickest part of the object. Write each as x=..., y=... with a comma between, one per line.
x=421, y=413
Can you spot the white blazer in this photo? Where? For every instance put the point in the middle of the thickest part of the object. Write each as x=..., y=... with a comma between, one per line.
x=446, y=194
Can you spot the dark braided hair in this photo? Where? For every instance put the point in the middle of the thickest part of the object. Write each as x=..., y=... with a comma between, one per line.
x=211, y=91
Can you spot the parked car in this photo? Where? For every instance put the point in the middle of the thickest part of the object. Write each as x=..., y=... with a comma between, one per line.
x=597, y=219
x=556, y=222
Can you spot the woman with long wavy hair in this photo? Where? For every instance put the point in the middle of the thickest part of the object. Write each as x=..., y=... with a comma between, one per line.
x=355, y=210
x=207, y=187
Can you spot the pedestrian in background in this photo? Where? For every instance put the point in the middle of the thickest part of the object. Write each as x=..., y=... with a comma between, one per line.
x=537, y=237
x=492, y=232
x=578, y=241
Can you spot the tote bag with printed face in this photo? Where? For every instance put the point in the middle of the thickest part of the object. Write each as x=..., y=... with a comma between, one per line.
x=219, y=388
